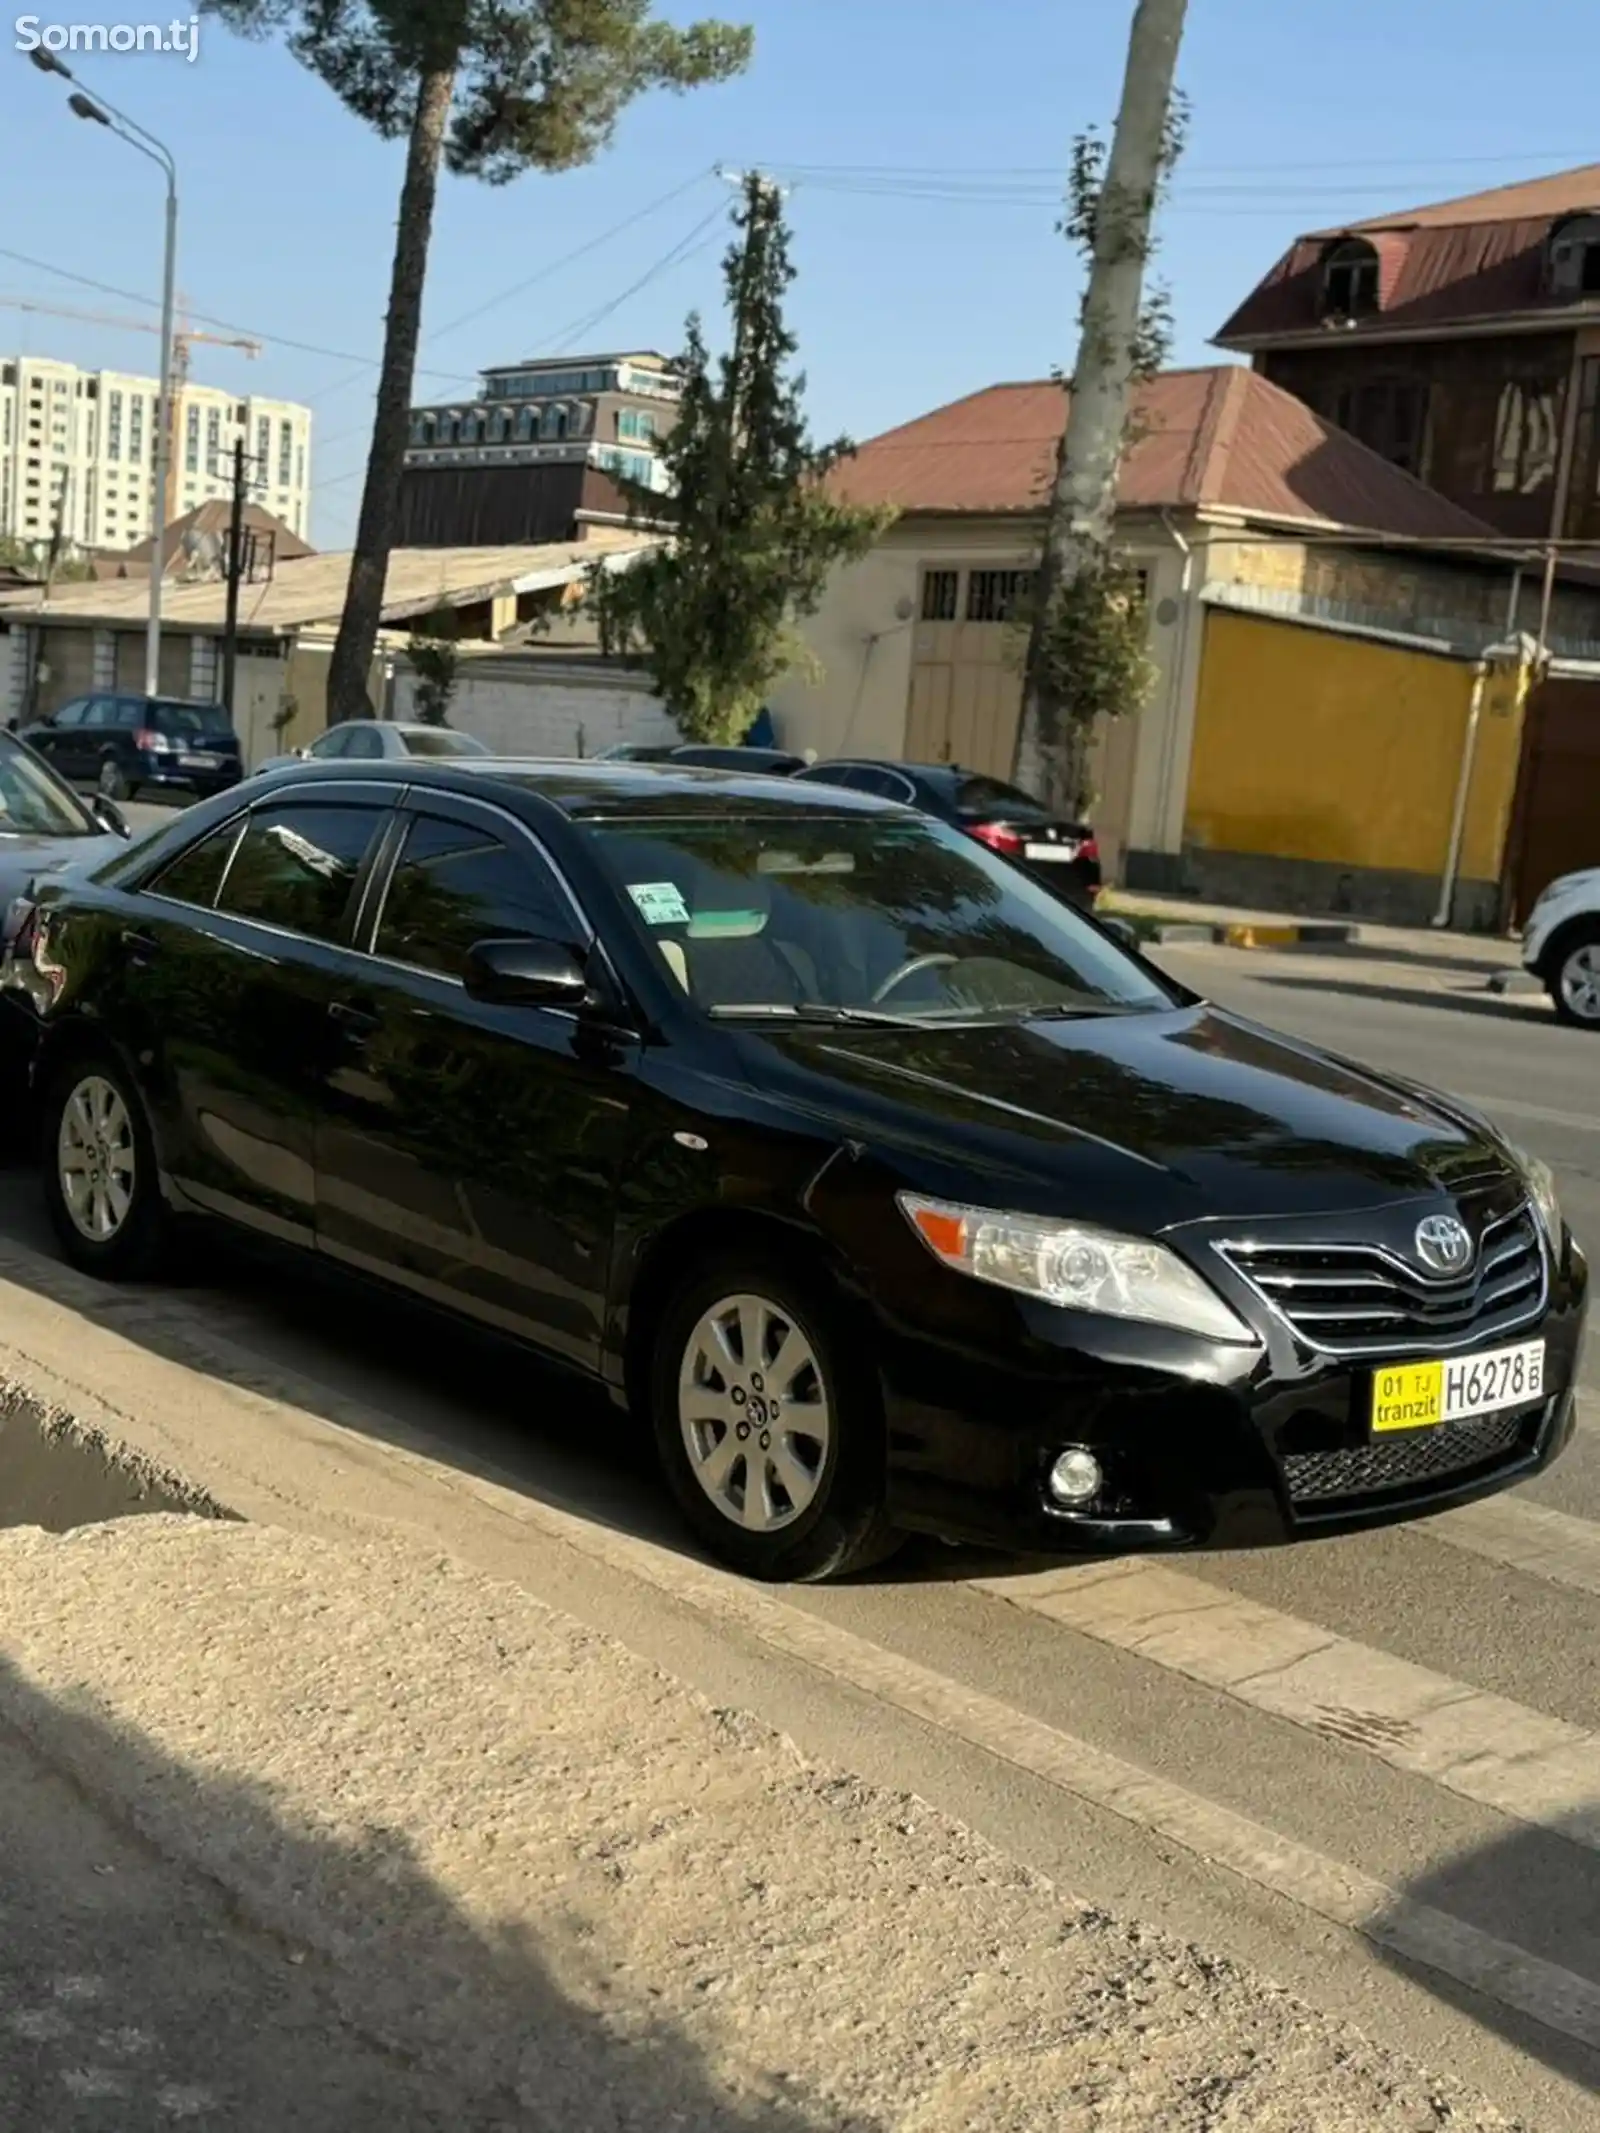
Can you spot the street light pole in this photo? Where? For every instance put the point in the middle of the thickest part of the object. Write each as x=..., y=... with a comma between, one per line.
x=104, y=113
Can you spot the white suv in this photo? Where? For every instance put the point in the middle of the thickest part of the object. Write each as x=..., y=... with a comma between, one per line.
x=1561, y=946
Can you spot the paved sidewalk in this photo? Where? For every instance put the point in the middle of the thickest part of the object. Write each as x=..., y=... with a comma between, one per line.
x=1472, y=951
x=465, y=1847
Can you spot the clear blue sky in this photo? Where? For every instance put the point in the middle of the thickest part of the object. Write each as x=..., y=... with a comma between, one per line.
x=922, y=138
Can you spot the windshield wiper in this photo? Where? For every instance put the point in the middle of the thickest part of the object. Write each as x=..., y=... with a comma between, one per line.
x=819, y=1011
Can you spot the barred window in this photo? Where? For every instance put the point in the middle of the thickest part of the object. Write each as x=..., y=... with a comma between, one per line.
x=939, y=589
x=996, y=595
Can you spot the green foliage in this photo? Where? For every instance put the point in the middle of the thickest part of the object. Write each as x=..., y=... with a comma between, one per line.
x=1086, y=213
x=539, y=84
x=436, y=663
x=755, y=527
x=1094, y=643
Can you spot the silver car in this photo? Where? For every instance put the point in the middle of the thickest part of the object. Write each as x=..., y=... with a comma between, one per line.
x=379, y=740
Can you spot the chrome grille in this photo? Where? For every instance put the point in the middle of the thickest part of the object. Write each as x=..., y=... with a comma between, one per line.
x=1404, y=1462
x=1360, y=1300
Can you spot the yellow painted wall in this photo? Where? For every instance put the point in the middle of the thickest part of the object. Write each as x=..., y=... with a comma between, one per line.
x=1314, y=745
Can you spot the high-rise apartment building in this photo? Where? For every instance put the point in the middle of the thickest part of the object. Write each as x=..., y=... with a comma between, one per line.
x=78, y=447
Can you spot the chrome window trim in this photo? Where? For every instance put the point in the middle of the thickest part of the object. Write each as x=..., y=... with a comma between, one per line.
x=236, y=824
x=1376, y=1350
x=414, y=802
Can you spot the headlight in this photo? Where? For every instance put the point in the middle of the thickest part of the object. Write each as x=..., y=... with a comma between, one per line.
x=1071, y=1264
x=1540, y=1180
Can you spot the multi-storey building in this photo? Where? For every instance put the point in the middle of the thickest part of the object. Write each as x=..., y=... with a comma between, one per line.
x=78, y=448
x=1460, y=340
x=537, y=451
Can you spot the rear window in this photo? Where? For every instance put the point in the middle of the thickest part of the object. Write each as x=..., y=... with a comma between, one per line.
x=439, y=740
x=190, y=721
x=986, y=799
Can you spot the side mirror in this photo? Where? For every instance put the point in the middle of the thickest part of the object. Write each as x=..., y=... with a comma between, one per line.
x=109, y=816
x=1122, y=933
x=527, y=973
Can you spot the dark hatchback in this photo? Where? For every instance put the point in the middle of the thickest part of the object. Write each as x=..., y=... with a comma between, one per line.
x=125, y=745
x=1059, y=853
x=889, y=1190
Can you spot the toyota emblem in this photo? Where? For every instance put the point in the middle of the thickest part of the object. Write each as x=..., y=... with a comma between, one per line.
x=1444, y=1244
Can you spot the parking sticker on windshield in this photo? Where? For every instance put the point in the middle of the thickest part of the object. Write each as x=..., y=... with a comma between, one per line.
x=660, y=902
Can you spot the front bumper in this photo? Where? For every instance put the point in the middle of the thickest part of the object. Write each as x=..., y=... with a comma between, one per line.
x=1197, y=1453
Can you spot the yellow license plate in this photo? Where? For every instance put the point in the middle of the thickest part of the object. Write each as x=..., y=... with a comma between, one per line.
x=1422, y=1395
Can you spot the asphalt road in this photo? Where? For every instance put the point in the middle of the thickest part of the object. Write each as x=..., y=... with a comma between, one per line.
x=1398, y=1732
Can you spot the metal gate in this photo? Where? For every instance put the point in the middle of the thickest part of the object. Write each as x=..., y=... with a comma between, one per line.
x=1556, y=822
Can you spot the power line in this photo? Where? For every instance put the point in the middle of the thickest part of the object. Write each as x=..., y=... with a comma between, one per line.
x=688, y=247
x=202, y=318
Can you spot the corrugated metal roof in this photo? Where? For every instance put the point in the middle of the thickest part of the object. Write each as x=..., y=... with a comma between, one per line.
x=311, y=589
x=1478, y=257
x=1223, y=438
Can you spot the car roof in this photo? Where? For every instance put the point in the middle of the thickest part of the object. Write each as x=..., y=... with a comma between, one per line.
x=590, y=787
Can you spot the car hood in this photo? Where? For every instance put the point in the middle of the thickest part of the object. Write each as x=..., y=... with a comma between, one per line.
x=24, y=860
x=1143, y=1120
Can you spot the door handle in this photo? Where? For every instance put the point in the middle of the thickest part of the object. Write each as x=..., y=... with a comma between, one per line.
x=140, y=947
x=358, y=1021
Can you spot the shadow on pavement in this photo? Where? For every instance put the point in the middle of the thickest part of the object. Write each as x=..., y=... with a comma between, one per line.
x=390, y=1368
x=1505, y=1007
x=223, y=1964
x=1539, y=1891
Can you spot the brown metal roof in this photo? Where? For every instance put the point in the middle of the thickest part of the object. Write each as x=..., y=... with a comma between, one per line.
x=1222, y=438
x=1478, y=257
x=1569, y=192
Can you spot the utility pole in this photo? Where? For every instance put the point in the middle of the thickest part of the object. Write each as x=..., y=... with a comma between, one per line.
x=1078, y=530
x=236, y=560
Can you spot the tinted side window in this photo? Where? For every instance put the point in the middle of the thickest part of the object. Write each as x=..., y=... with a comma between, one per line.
x=102, y=711
x=887, y=784
x=834, y=774
x=296, y=867
x=130, y=713
x=456, y=885
x=363, y=741
x=195, y=875
x=71, y=714
x=335, y=743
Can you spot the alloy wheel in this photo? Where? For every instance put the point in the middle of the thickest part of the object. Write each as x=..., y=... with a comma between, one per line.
x=1580, y=983
x=95, y=1159
x=754, y=1412
x=112, y=784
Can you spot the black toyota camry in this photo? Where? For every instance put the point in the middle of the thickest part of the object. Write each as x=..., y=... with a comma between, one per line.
x=883, y=1187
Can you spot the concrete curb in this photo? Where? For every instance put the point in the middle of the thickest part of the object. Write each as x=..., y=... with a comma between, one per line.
x=1313, y=935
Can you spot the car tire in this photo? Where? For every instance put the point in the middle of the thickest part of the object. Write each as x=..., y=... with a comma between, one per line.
x=111, y=784
x=98, y=1162
x=1574, y=980
x=821, y=1473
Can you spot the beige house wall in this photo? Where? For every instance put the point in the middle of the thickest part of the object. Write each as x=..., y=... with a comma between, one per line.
x=883, y=679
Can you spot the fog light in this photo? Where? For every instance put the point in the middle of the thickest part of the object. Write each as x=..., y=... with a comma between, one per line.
x=1076, y=1478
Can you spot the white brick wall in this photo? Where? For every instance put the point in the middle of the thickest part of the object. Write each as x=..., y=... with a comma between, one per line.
x=541, y=709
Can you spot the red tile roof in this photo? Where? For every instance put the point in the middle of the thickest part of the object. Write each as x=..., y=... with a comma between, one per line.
x=1481, y=256
x=1222, y=437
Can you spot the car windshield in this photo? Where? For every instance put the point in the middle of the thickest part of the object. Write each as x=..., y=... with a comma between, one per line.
x=189, y=721
x=870, y=917
x=32, y=803
x=986, y=799
x=440, y=740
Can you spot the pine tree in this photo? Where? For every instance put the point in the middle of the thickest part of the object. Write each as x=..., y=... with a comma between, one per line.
x=755, y=529
x=491, y=88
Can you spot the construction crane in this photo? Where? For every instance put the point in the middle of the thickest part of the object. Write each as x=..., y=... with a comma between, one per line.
x=184, y=337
